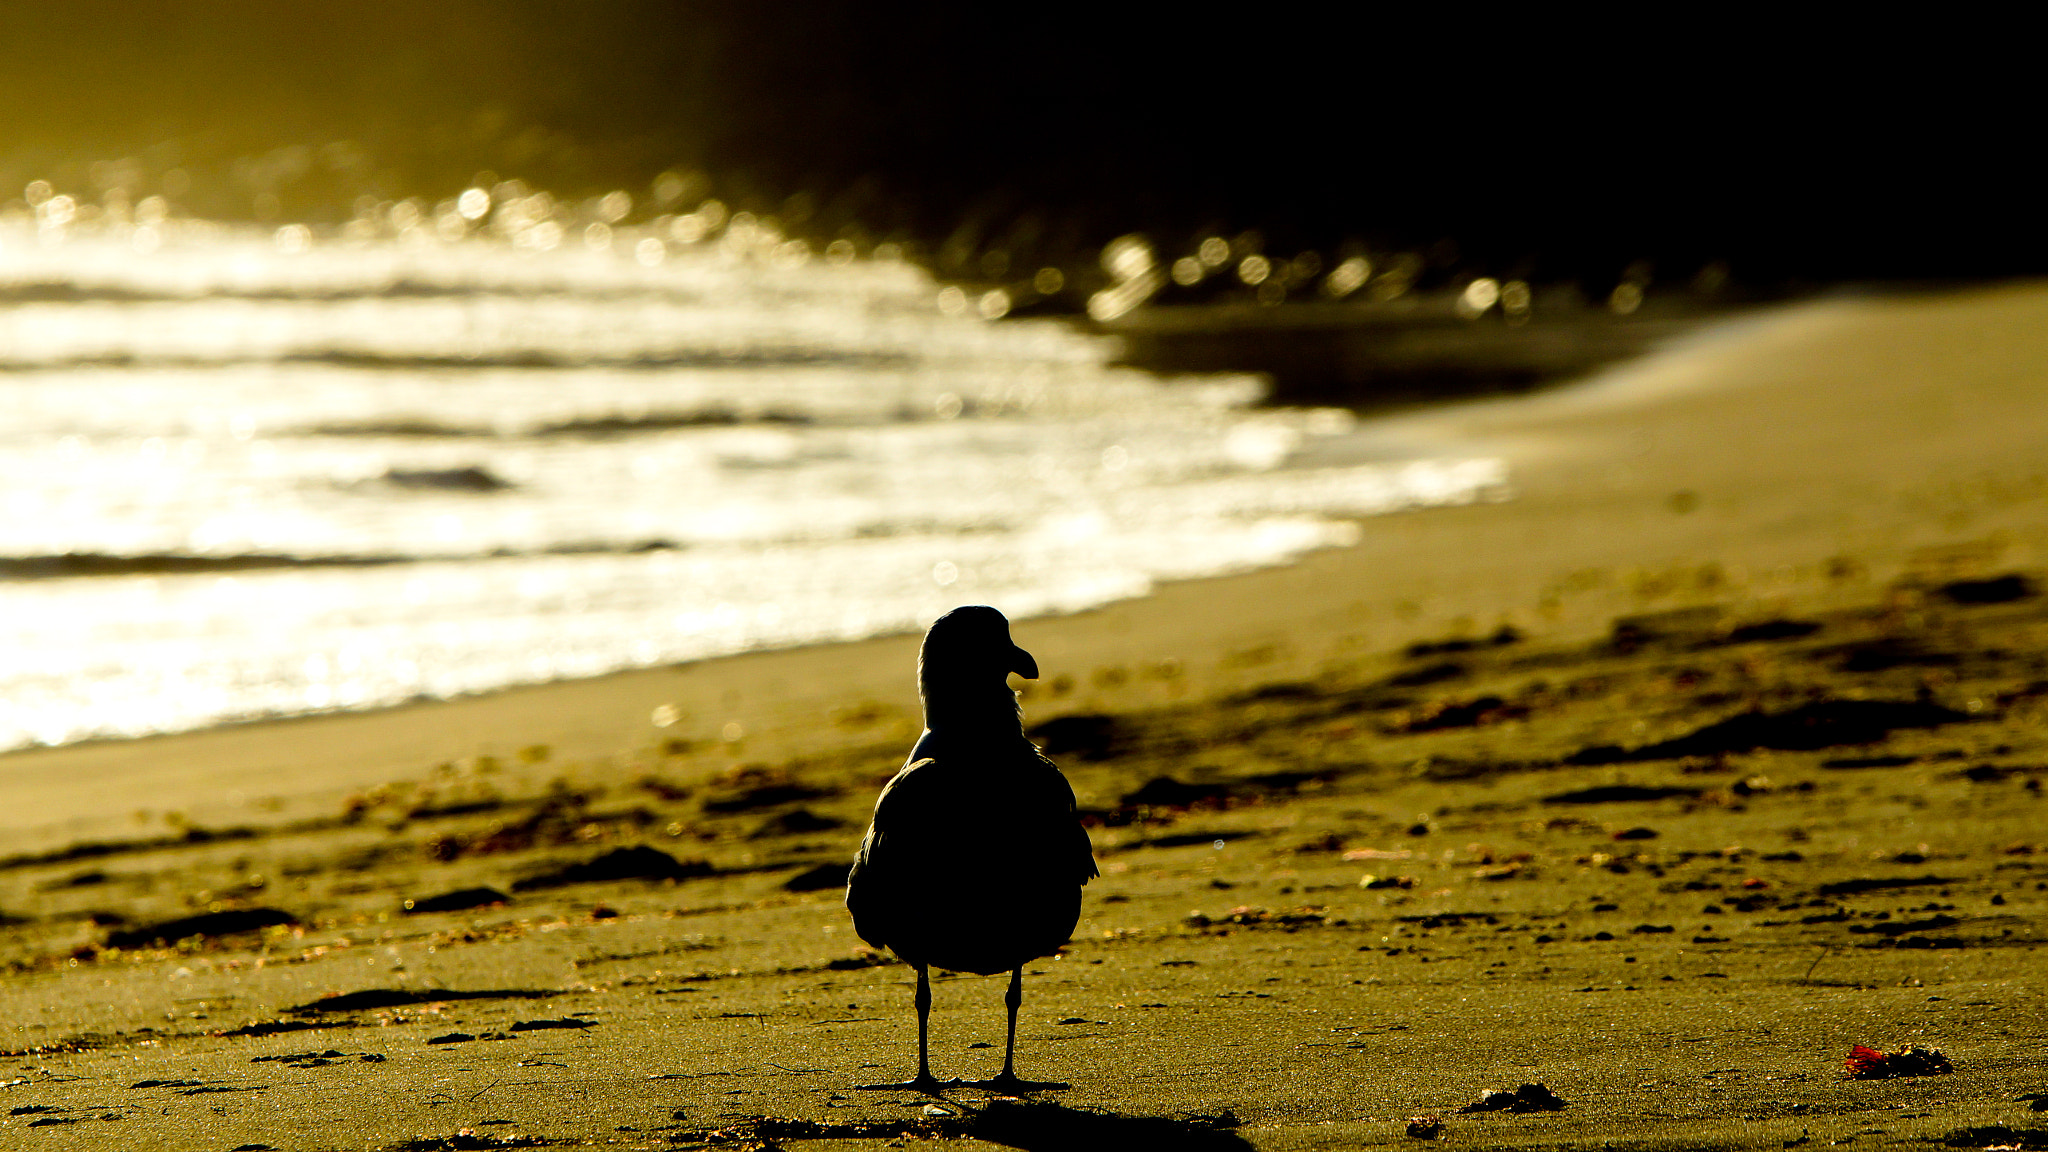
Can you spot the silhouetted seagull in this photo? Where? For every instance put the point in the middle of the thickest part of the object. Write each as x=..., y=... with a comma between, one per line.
x=975, y=860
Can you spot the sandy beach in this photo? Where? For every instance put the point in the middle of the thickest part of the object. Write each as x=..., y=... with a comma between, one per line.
x=1715, y=751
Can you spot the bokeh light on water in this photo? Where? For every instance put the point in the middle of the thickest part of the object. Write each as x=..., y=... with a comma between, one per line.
x=447, y=447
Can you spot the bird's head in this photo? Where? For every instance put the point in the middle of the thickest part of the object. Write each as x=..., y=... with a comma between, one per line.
x=971, y=642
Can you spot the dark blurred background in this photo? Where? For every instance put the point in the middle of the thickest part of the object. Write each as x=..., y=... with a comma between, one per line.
x=1532, y=147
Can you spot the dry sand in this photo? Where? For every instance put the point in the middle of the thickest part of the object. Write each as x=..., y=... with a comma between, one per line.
x=1586, y=869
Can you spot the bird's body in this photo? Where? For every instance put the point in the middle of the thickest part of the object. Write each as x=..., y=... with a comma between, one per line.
x=976, y=858
x=963, y=868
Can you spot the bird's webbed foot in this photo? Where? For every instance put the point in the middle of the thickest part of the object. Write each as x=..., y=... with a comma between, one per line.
x=925, y=1082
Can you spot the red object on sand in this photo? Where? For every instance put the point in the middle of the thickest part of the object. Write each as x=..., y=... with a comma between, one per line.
x=1909, y=1060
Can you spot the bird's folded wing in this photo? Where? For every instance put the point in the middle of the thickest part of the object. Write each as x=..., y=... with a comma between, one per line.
x=1082, y=849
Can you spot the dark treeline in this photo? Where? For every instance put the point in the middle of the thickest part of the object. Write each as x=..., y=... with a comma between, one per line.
x=1537, y=151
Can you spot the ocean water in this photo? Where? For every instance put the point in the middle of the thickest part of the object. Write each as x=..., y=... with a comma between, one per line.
x=249, y=473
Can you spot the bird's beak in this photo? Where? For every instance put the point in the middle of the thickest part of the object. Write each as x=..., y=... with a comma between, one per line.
x=1022, y=664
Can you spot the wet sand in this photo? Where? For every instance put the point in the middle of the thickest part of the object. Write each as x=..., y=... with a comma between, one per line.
x=1718, y=750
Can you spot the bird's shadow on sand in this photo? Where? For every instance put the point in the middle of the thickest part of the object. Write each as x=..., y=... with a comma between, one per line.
x=1035, y=1126
x=1042, y=1126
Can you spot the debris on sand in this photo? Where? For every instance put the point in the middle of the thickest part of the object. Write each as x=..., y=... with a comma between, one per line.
x=467, y=1139
x=372, y=999
x=1167, y=792
x=1429, y=674
x=1618, y=794
x=1181, y=840
x=1090, y=736
x=1904, y=927
x=274, y=1027
x=1426, y=1127
x=1869, y=761
x=226, y=923
x=474, y=478
x=1776, y=629
x=637, y=863
x=760, y=796
x=300, y=1057
x=796, y=822
x=1886, y=653
x=1911, y=1060
x=818, y=879
x=1163, y=799
x=1996, y=590
x=459, y=900
x=1677, y=627
x=1531, y=1097
x=1861, y=885
x=319, y=1059
x=861, y=958
x=756, y=787
x=1474, y=713
x=1807, y=728
x=1997, y=1136
x=565, y=1022
x=1249, y=917
x=560, y=817
x=1503, y=636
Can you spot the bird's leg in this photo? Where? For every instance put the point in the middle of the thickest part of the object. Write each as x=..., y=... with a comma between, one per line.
x=924, y=1016
x=1006, y=1080
x=1013, y=1000
x=925, y=1081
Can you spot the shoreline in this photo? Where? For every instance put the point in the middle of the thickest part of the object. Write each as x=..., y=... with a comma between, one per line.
x=1628, y=498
